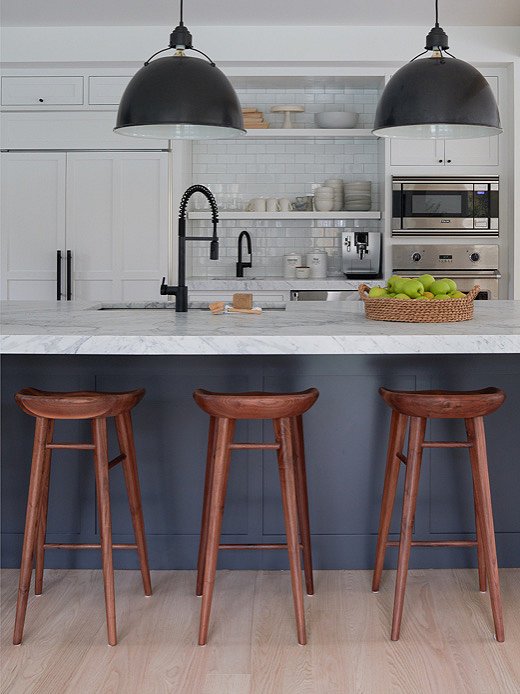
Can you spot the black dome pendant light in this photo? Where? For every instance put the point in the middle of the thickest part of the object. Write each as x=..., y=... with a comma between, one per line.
x=437, y=97
x=180, y=97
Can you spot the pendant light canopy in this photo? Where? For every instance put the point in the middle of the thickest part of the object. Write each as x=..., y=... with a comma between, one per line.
x=180, y=97
x=437, y=97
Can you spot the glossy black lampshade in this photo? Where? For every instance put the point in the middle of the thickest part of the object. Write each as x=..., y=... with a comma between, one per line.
x=180, y=97
x=437, y=98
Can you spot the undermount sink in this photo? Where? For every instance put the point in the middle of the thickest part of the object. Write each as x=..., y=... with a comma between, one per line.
x=170, y=305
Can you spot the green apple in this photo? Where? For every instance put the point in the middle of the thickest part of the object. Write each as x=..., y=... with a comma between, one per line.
x=440, y=287
x=457, y=295
x=377, y=292
x=413, y=288
x=398, y=287
x=391, y=282
x=391, y=295
x=402, y=297
x=426, y=281
x=452, y=283
x=441, y=297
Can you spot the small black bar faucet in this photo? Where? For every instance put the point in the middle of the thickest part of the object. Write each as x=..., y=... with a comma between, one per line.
x=240, y=264
x=180, y=290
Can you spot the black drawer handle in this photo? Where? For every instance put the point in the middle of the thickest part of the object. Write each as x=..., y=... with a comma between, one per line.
x=41, y=101
x=69, y=275
x=58, y=275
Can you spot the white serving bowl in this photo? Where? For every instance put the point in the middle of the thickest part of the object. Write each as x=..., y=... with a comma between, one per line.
x=336, y=119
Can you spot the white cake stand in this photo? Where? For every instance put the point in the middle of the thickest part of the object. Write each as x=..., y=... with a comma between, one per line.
x=287, y=109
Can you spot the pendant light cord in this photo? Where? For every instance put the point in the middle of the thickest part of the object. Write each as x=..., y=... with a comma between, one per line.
x=181, y=12
x=436, y=12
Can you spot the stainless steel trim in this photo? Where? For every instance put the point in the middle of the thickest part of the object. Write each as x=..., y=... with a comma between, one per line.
x=438, y=223
x=317, y=295
x=458, y=233
x=434, y=186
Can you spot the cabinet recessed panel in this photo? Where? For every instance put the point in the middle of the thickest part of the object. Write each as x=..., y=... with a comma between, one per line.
x=143, y=212
x=33, y=211
x=90, y=211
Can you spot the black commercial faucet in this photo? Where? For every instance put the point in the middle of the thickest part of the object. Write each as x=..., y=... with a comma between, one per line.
x=240, y=264
x=180, y=291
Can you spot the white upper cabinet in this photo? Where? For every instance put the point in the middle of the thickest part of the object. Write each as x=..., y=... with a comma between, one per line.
x=109, y=210
x=481, y=151
x=106, y=90
x=42, y=91
x=32, y=223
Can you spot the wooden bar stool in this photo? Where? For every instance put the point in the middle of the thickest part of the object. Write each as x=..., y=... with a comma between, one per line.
x=415, y=408
x=285, y=410
x=48, y=407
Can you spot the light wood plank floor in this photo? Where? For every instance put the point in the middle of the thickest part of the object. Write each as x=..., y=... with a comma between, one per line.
x=446, y=645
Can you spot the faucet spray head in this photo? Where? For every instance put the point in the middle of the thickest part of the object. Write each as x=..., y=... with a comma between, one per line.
x=213, y=249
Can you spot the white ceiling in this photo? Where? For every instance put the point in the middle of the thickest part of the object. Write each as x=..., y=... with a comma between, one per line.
x=260, y=12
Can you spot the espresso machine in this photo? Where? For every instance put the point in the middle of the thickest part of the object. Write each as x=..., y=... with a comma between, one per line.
x=361, y=254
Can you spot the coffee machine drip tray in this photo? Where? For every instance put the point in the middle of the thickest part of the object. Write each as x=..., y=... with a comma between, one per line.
x=361, y=254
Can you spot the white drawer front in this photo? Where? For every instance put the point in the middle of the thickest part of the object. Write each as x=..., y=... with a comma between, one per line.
x=42, y=91
x=107, y=91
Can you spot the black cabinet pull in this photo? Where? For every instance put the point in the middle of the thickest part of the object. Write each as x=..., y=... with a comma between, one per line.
x=58, y=275
x=440, y=161
x=69, y=275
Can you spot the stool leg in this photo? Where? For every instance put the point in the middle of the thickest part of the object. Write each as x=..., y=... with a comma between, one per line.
x=31, y=523
x=205, y=506
x=479, y=467
x=481, y=557
x=125, y=436
x=282, y=429
x=411, y=486
x=393, y=464
x=302, y=499
x=224, y=437
x=44, y=505
x=99, y=436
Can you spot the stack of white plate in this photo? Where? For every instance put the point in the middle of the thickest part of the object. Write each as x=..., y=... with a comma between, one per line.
x=337, y=187
x=358, y=196
x=324, y=199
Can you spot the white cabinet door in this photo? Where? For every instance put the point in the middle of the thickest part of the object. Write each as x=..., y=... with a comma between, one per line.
x=117, y=224
x=416, y=152
x=32, y=223
x=480, y=151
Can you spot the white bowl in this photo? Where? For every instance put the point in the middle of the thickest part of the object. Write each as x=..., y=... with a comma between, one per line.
x=323, y=205
x=336, y=119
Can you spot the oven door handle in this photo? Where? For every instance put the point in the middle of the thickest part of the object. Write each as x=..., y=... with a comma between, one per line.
x=458, y=275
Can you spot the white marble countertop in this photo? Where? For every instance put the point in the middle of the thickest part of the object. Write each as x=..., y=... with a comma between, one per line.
x=253, y=283
x=307, y=328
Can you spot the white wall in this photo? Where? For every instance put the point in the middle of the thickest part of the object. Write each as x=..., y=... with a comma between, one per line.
x=338, y=43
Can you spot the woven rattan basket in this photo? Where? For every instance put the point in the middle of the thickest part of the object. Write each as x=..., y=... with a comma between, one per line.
x=401, y=311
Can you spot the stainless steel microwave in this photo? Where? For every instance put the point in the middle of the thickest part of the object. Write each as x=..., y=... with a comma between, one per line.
x=448, y=206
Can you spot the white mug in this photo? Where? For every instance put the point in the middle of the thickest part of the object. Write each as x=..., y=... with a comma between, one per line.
x=256, y=205
x=272, y=205
x=285, y=205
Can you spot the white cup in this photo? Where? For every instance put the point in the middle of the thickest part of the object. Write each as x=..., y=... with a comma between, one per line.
x=285, y=205
x=303, y=272
x=272, y=205
x=256, y=205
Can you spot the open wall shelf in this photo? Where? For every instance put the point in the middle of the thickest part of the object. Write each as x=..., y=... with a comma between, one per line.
x=201, y=214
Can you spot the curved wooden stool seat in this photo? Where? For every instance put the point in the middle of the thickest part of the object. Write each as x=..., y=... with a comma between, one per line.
x=285, y=410
x=76, y=405
x=48, y=407
x=255, y=405
x=411, y=410
x=443, y=404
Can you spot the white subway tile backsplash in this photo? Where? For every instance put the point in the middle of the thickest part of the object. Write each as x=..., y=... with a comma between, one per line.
x=237, y=171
